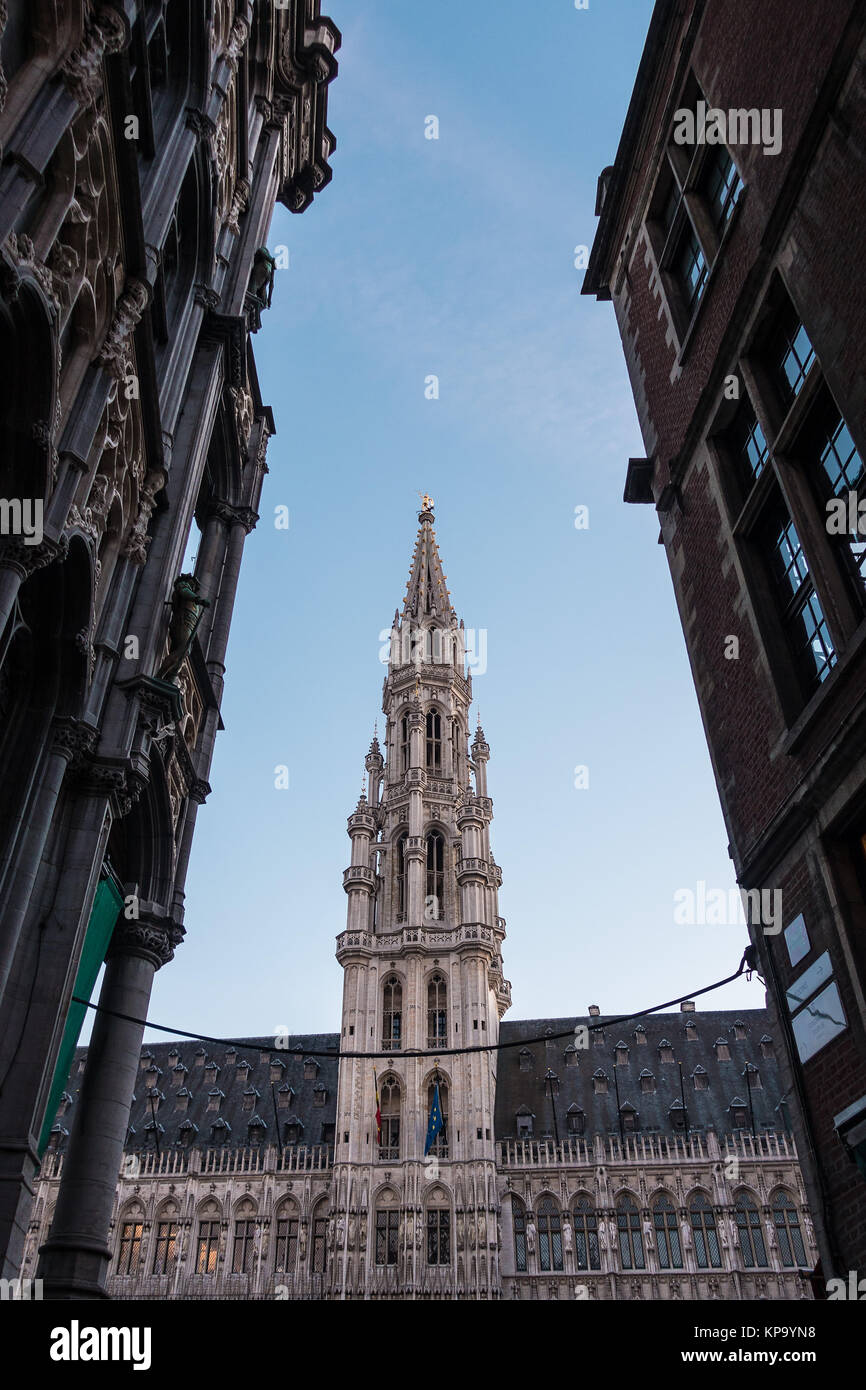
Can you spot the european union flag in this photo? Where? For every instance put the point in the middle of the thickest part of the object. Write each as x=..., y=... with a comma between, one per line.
x=435, y=1123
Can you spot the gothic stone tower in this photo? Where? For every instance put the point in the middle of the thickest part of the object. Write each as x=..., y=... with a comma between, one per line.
x=423, y=982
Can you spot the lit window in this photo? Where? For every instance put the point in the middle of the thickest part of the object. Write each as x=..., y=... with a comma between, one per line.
x=166, y=1247
x=130, y=1247
x=208, y=1247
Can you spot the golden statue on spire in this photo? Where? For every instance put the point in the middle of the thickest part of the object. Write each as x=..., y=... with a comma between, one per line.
x=427, y=502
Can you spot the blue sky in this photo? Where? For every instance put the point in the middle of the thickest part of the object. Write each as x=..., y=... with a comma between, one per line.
x=455, y=257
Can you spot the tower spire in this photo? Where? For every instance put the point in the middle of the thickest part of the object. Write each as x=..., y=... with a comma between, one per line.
x=427, y=591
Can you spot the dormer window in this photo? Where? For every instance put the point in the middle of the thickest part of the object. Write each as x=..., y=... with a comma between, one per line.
x=294, y=1131
x=700, y=1078
x=599, y=1083
x=264, y=1056
x=739, y=1030
x=621, y=1055
x=571, y=1058
x=525, y=1059
x=677, y=1116
x=144, y=1061
x=178, y=1074
x=628, y=1115
x=666, y=1052
x=211, y=1072
x=151, y=1076
x=57, y=1136
x=251, y=1096
x=752, y=1077
x=277, y=1070
x=524, y=1121
x=723, y=1051
x=647, y=1082
x=598, y=1037
x=767, y=1046
x=691, y=1031
x=738, y=1111
x=640, y=1035
x=311, y=1069
x=215, y=1097
x=198, y=1059
x=256, y=1130
x=173, y=1056
x=320, y=1093
x=242, y=1072
x=182, y=1100
x=231, y=1055
x=220, y=1131
x=151, y=1130
x=186, y=1133
x=285, y=1096
x=575, y=1119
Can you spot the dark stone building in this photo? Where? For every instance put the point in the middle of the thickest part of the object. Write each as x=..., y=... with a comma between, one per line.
x=730, y=241
x=650, y=1158
x=144, y=146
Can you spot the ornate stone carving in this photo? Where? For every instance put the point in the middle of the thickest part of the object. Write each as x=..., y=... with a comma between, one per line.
x=243, y=404
x=106, y=33
x=138, y=541
x=153, y=941
x=114, y=353
x=27, y=559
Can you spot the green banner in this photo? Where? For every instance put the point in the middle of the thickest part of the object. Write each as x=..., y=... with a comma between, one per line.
x=106, y=906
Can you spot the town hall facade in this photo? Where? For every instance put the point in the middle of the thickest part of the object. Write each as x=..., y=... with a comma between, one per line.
x=582, y=1158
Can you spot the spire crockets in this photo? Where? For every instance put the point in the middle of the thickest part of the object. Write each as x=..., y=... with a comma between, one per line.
x=427, y=591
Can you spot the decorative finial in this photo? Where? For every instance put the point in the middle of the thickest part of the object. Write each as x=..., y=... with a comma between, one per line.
x=426, y=501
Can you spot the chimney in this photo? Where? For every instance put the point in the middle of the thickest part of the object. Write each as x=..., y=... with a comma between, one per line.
x=687, y=1006
x=594, y=1011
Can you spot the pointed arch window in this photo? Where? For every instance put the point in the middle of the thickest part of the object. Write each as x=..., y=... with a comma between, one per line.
x=404, y=743
x=788, y=1233
x=704, y=1233
x=129, y=1254
x=518, y=1216
x=434, y=740
x=208, y=1247
x=439, y=1147
x=549, y=1235
x=438, y=1235
x=165, y=1253
x=244, y=1245
x=400, y=879
x=320, y=1239
x=287, y=1240
x=631, y=1251
x=586, y=1235
x=437, y=1012
x=392, y=1015
x=435, y=875
x=389, y=1106
x=667, y=1233
x=749, y=1231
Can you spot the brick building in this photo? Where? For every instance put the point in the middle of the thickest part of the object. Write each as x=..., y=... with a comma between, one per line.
x=730, y=241
x=144, y=147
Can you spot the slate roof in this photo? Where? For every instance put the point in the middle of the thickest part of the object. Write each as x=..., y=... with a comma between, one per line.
x=232, y=1081
x=518, y=1089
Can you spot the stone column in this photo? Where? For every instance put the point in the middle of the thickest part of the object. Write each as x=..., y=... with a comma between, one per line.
x=74, y=1260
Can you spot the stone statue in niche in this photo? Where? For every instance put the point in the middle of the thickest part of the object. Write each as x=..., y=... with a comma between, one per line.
x=261, y=283
x=187, y=608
